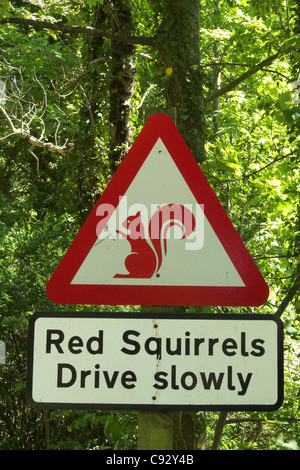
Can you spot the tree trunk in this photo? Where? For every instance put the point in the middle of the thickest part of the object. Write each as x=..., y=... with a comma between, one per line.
x=121, y=85
x=179, y=43
x=88, y=158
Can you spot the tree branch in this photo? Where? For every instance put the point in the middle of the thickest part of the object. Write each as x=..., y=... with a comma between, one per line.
x=242, y=178
x=219, y=430
x=256, y=68
x=240, y=64
x=223, y=420
x=260, y=420
x=290, y=295
x=33, y=140
x=96, y=32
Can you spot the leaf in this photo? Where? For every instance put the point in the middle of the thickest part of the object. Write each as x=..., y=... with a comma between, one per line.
x=92, y=3
x=4, y=5
x=289, y=328
x=235, y=166
x=284, y=99
x=290, y=445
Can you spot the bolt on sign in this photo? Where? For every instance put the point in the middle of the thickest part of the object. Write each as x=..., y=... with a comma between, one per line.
x=166, y=362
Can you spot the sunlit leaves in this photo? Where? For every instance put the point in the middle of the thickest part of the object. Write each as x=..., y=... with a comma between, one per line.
x=252, y=163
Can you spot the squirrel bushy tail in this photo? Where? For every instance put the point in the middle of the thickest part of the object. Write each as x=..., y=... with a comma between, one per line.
x=162, y=220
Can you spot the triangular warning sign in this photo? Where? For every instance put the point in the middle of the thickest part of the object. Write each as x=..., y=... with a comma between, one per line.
x=158, y=236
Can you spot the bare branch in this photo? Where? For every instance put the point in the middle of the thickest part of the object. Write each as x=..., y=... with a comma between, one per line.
x=20, y=132
x=240, y=64
x=252, y=70
x=247, y=175
x=96, y=32
x=290, y=294
x=10, y=123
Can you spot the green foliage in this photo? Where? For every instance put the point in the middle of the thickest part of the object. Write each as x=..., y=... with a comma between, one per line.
x=83, y=430
x=58, y=88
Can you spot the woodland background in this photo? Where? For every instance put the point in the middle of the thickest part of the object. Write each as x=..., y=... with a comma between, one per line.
x=77, y=80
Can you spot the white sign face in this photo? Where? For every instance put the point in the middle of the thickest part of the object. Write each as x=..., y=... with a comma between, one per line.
x=183, y=266
x=201, y=362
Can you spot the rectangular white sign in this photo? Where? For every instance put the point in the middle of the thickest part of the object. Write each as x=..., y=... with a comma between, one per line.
x=155, y=361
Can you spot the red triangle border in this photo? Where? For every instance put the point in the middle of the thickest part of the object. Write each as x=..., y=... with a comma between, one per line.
x=59, y=288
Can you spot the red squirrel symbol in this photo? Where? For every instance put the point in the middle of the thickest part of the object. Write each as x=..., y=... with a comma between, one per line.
x=145, y=260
